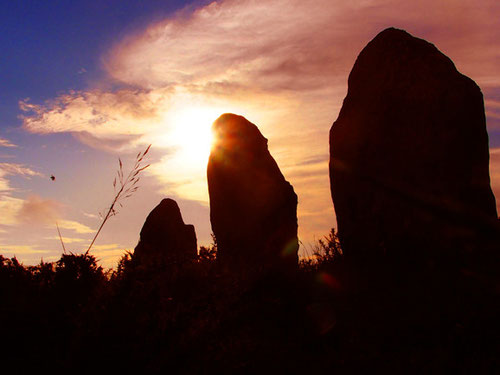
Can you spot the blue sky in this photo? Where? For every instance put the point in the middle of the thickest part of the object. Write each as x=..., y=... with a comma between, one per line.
x=85, y=82
x=53, y=46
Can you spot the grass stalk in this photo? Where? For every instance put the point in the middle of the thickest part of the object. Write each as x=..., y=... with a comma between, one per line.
x=127, y=187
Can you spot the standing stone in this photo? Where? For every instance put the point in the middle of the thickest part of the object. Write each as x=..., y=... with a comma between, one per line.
x=253, y=209
x=409, y=153
x=165, y=239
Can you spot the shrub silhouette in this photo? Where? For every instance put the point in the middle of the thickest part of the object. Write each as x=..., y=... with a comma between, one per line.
x=195, y=318
x=328, y=248
x=78, y=276
x=208, y=253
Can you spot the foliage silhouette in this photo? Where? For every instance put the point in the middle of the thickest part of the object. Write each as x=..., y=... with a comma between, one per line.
x=208, y=253
x=194, y=317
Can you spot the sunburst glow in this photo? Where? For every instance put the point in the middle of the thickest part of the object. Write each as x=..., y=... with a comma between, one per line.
x=188, y=141
x=185, y=132
x=192, y=133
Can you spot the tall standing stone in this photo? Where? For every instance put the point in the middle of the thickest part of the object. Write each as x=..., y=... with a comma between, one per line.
x=164, y=238
x=409, y=152
x=253, y=209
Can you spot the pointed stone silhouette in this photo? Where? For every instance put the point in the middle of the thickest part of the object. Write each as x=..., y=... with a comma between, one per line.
x=409, y=153
x=253, y=209
x=164, y=238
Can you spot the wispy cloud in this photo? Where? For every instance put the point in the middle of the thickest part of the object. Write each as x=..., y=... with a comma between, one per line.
x=75, y=226
x=14, y=169
x=66, y=240
x=294, y=44
x=91, y=216
x=6, y=143
x=17, y=169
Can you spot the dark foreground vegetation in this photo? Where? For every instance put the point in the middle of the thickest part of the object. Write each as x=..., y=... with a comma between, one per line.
x=195, y=318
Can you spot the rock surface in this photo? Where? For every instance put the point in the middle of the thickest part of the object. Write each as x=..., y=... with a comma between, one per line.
x=164, y=237
x=409, y=153
x=253, y=209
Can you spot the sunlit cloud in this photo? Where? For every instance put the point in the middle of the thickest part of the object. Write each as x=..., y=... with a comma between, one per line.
x=283, y=64
x=13, y=169
x=495, y=174
x=295, y=45
x=107, y=254
x=28, y=254
x=66, y=240
x=17, y=169
x=91, y=216
x=75, y=226
x=21, y=250
x=6, y=143
x=226, y=45
x=9, y=207
x=118, y=117
x=4, y=184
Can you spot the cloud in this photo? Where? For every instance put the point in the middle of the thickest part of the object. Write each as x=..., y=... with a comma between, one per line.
x=109, y=143
x=66, y=240
x=106, y=247
x=39, y=211
x=118, y=117
x=6, y=143
x=293, y=44
x=20, y=250
x=495, y=174
x=14, y=169
x=34, y=220
x=234, y=43
x=30, y=254
x=75, y=226
x=91, y=216
x=22, y=212
x=493, y=112
x=109, y=254
x=9, y=207
x=253, y=48
x=17, y=169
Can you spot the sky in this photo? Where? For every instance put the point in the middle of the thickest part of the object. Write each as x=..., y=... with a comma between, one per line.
x=86, y=83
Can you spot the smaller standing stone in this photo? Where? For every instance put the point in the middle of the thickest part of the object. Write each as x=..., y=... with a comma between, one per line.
x=165, y=238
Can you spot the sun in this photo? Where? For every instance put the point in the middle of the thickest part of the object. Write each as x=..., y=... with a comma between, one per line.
x=191, y=134
x=185, y=134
